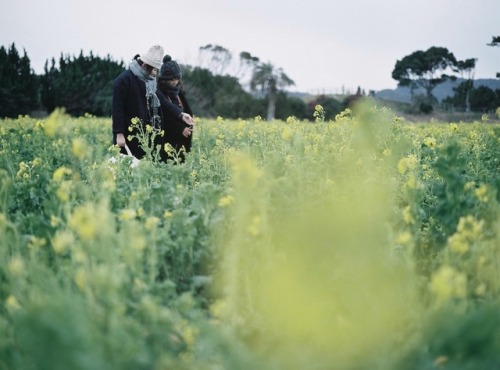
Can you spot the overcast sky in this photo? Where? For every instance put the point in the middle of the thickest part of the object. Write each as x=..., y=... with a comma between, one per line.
x=323, y=45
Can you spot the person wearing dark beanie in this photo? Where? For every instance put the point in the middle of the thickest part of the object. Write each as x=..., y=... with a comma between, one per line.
x=178, y=134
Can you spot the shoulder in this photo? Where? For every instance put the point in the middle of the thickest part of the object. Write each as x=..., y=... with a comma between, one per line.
x=126, y=75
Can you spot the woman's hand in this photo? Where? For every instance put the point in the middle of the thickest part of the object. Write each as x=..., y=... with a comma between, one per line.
x=186, y=118
x=187, y=132
x=120, y=140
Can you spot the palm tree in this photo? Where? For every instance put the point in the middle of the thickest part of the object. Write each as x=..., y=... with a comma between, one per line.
x=467, y=68
x=270, y=80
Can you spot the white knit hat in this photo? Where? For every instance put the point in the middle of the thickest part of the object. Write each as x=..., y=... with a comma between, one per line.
x=153, y=57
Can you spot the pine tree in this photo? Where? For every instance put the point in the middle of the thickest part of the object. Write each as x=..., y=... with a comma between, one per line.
x=19, y=85
x=82, y=84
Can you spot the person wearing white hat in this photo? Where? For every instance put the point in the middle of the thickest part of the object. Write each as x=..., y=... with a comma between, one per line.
x=135, y=95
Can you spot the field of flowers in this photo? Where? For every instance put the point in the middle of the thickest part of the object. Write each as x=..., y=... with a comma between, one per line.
x=364, y=242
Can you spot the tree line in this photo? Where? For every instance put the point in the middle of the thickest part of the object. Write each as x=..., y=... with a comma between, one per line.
x=219, y=86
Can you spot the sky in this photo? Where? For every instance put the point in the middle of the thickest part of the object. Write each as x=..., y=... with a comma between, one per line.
x=324, y=46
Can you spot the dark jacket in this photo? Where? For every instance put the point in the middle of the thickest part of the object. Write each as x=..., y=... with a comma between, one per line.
x=129, y=101
x=173, y=135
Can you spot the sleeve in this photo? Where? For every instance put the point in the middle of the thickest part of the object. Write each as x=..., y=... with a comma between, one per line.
x=185, y=103
x=119, y=102
x=171, y=113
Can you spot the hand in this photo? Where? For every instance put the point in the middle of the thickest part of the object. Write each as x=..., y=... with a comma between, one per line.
x=187, y=132
x=186, y=118
x=120, y=140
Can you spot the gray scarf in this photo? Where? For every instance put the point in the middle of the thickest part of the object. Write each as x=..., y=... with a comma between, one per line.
x=150, y=82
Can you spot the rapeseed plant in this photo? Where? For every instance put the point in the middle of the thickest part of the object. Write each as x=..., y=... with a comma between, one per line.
x=338, y=245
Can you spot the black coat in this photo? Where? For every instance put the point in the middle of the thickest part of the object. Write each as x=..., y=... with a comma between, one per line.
x=129, y=101
x=173, y=134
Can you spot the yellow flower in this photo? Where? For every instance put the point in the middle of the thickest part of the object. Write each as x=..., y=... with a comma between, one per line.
x=447, y=283
x=189, y=333
x=430, y=142
x=63, y=191
x=78, y=148
x=138, y=242
x=407, y=163
x=219, y=308
x=226, y=201
x=151, y=222
x=482, y=193
x=404, y=238
x=85, y=222
x=12, y=304
x=408, y=216
x=59, y=174
x=167, y=214
x=16, y=266
x=36, y=243
x=55, y=221
x=127, y=214
x=169, y=149
x=52, y=124
x=286, y=134
x=79, y=255
x=37, y=162
x=412, y=182
x=440, y=361
x=470, y=228
x=23, y=168
x=469, y=185
x=458, y=244
x=62, y=241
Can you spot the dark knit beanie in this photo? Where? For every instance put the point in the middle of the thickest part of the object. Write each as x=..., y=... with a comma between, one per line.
x=170, y=70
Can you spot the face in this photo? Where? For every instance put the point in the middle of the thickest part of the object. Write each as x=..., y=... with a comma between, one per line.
x=170, y=83
x=152, y=71
x=173, y=82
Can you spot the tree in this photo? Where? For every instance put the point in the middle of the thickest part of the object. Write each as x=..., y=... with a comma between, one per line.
x=466, y=68
x=269, y=80
x=82, y=84
x=215, y=58
x=18, y=83
x=247, y=64
x=495, y=41
x=484, y=99
x=214, y=95
x=424, y=69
